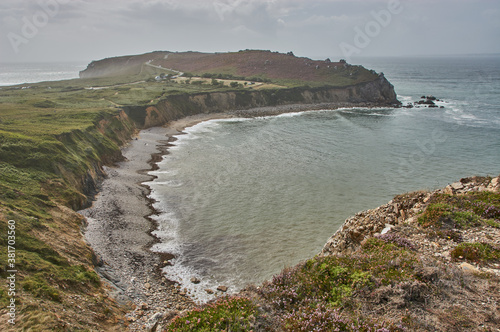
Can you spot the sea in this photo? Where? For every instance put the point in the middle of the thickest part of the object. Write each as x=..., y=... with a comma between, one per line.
x=20, y=73
x=238, y=200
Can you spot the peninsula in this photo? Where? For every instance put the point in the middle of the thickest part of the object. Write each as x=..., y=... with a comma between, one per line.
x=59, y=140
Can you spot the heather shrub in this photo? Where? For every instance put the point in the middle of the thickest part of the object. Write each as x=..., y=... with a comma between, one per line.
x=476, y=252
x=397, y=240
x=226, y=314
x=324, y=319
x=334, y=279
x=464, y=211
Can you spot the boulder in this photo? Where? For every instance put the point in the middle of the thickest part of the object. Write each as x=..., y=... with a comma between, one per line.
x=494, y=184
x=152, y=323
x=457, y=185
x=468, y=268
x=222, y=289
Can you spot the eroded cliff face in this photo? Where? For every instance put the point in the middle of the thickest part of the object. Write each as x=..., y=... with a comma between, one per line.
x=90, y=150
x=378, y=93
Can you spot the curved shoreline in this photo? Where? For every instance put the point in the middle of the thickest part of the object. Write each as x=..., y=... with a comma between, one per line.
x=120, y=226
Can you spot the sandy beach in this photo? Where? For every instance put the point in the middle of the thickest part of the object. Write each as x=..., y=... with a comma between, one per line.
x=119, y=228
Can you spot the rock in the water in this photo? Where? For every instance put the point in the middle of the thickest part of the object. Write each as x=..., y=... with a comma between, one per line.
x=222, y=288
x=209, y=291
x=195, y=280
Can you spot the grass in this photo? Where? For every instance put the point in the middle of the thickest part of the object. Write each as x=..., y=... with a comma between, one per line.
x=462, y=211
x=476, y=252
x=226, y=314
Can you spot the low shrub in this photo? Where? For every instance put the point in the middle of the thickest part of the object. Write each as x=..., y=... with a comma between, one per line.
x=226, y=314
x=476, y=252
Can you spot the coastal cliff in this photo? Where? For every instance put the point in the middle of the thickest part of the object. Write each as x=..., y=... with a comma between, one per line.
x=377, y=93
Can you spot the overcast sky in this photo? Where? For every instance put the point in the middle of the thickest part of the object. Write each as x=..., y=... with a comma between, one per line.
x=85, y=30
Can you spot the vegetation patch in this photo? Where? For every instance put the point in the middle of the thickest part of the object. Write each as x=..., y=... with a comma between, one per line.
x=226, y=314
x=397, y=240
x=314, y=292
x=462, y=211
x=446, y=234
x=324, y=318
x=45, y=104
x=476, y=252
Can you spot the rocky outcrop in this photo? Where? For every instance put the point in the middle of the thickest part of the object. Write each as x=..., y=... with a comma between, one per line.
x=374, y=222
x=402, y=210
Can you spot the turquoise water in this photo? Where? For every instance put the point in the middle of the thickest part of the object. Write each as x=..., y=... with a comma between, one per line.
x=240, y=199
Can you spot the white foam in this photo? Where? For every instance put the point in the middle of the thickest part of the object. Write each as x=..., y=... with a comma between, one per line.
x=183, y=274
x=168, y=183
x=456, y=111
x=291, y=115
x=405, y=99
x=164, y=172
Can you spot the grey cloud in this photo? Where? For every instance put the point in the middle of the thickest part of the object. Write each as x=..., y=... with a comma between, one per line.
x=90, y=29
